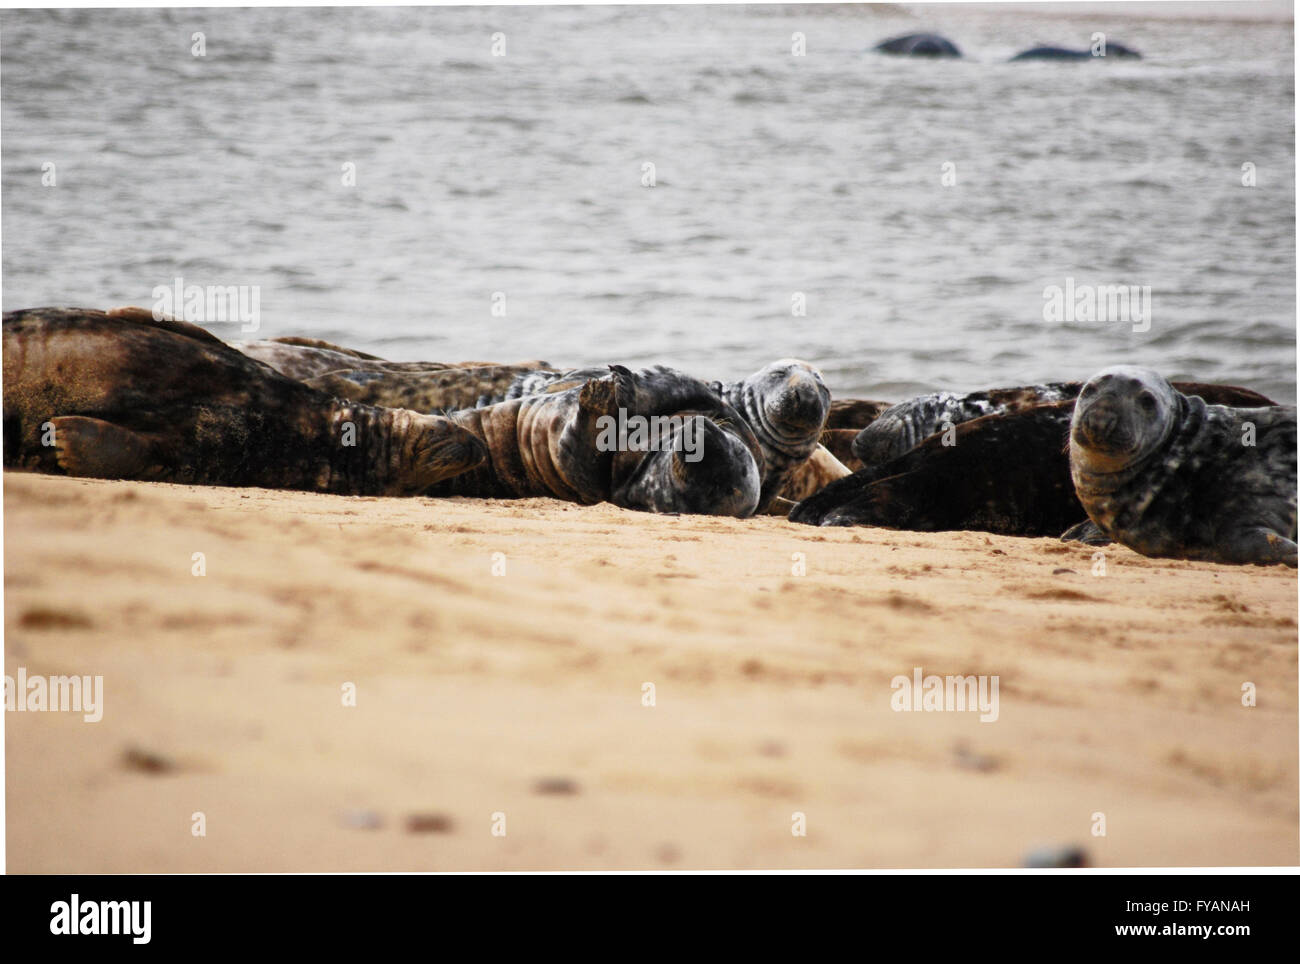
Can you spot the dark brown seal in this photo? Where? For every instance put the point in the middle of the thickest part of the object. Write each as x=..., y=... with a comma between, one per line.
x=124, y=396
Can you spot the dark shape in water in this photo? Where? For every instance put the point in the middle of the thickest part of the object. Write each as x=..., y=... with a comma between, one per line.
x=919, y=45
x=1063, y=53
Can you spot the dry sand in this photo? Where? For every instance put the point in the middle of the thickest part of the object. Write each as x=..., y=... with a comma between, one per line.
x=521, y=694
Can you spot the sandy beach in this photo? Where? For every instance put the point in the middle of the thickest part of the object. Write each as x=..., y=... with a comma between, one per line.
x=515, y=700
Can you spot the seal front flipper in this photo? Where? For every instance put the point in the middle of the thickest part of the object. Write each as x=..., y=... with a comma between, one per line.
x=588, y=441
x=1087, y=532
x=1257, y=545
x=93, y=448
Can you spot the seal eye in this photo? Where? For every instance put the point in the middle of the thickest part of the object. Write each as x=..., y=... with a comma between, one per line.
x=1088, y=390
x=1147, y=402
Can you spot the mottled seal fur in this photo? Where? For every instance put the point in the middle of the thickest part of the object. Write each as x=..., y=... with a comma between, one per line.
x=549, y=444
x=125, y=396
x=308, y=361
x=810, y=477
x=919, y=45
x=1006, y=472
x=902, y=426
x=855, y=413
x=431, y=392
x=1165, y=474
x=305, y=358
x=317, y=343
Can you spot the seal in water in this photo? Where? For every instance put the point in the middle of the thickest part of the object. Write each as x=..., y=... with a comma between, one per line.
x=1006, y=472
x=919, y=45
x=694, y=453
x=1062, y=53
x=124, y=396
x=1165, y=474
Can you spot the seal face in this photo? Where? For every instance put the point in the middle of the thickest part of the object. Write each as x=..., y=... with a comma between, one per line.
x=1165, y=474
x=120, y=395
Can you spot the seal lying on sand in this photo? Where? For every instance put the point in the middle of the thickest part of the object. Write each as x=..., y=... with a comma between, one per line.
x=1003, y=473
x=123, y=396
x=581, y=444
x=1167, y=475
x=1007, y=472
x=1062, y=53
x=904, y=425
x=919, y=45
x=785, y=405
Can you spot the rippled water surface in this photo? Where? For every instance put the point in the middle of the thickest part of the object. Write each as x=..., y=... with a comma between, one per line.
x=775, y=175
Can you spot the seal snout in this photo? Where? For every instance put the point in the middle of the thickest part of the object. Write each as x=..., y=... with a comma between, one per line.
x=796, y=401
x=803, y=403
x=1098, y=424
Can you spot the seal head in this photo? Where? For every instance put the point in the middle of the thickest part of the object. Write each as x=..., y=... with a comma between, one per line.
x=700, y=469
x=786, y=404
x=1123, y=415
